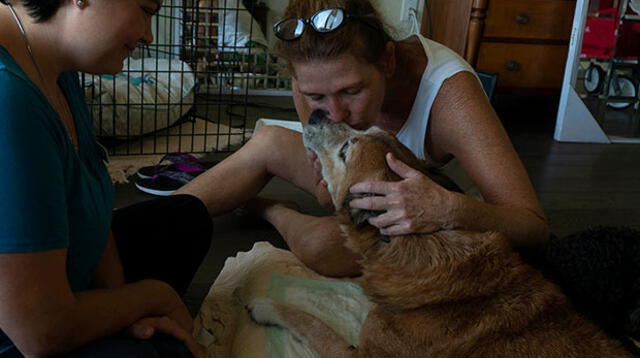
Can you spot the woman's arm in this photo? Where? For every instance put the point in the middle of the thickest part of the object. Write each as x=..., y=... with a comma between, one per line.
x=43, y=317
x=465, y=126
x=462, y=125
x=109, y=273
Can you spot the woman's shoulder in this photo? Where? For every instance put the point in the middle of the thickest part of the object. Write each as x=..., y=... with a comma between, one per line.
x=8, y=64
x=18, y=100
x=437, y=59
x=12, y=85
x=13, y=82
x=18, y=95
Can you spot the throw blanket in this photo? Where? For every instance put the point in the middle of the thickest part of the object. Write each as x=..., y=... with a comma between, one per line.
x=226, y=330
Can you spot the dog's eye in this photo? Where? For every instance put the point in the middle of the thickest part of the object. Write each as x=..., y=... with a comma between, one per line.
x=343, y=151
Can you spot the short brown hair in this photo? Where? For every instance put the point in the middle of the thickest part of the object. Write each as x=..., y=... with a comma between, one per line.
x=366, y=41
x=40, y=10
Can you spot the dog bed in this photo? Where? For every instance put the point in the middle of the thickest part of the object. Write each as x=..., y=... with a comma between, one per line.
x=151, y=94
x=224, y=327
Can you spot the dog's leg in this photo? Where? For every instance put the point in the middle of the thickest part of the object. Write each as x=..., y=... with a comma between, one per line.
x=324, y=341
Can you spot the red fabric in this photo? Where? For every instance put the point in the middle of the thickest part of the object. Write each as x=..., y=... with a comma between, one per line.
x=599, y=37
x=600, y=34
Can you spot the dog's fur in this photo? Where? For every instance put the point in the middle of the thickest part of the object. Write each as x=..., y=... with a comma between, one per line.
x=446, y=294
x=599, y=268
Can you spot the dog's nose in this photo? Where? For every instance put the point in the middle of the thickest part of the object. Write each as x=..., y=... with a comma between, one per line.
x=317, y=117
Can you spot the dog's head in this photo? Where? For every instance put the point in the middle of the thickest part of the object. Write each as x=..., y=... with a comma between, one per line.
x=349, y=156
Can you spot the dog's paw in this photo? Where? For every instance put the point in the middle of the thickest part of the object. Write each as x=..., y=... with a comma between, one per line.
x=264, y=311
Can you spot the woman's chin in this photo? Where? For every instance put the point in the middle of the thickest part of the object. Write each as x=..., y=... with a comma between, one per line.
x=104, y=70
x=112, y=69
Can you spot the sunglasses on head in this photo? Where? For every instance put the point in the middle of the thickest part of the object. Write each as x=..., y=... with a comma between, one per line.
x=323, y=21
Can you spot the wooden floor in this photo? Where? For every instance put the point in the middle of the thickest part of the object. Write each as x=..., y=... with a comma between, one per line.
x=579, y=185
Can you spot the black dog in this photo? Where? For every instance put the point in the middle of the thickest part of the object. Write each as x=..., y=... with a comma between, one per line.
x=599, y=269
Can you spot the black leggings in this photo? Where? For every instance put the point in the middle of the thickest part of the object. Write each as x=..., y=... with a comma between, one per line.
x=164, y=238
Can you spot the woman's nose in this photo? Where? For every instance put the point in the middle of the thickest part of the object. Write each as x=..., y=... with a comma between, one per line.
x=338, y=111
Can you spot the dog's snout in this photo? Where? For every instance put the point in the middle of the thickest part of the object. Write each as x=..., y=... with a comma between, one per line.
x=318, y=116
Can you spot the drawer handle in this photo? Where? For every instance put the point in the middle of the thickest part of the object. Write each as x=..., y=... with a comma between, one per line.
x=513, y=66
x=522, y=19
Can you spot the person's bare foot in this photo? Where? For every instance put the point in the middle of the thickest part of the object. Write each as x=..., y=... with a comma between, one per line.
x=265, y=208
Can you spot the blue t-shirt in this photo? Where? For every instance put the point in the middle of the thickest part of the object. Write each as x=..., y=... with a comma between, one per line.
x=51, y=197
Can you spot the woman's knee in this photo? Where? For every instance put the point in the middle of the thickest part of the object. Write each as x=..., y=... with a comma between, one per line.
x=183, y=240
x=275, y=140
x=277, y=143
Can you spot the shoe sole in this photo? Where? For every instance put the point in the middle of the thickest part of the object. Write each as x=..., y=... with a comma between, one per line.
x=154, y=191
x=156, y=169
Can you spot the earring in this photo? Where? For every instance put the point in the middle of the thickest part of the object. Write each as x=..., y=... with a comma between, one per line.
x=80, y=3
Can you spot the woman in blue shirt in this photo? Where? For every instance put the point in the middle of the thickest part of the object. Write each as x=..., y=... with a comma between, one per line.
x=66, y=269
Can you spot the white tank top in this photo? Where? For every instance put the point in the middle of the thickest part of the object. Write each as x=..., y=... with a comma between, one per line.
x=442, y=64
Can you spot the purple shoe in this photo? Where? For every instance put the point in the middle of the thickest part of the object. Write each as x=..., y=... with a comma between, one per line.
x=170, y=179
x=173, y=159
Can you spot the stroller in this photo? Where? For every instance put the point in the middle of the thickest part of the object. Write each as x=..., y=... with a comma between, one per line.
x=612, y=35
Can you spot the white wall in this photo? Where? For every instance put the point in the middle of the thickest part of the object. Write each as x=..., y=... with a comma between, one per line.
x=390, y=9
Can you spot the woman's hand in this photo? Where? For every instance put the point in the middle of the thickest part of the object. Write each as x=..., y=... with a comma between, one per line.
x=416, y=204
x=175, y=320
x=147, y=327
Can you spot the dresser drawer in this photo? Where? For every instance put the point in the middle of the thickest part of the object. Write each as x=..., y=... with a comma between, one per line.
x=524, y=65
x=530, y=19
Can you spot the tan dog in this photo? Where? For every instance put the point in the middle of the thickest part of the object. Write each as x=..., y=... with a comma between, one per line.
x=446, y=294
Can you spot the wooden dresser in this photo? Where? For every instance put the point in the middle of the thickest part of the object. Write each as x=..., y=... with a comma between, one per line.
x=524, y=41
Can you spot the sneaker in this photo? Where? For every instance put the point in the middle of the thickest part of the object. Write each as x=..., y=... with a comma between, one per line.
x=173, y=159
x=168, y=181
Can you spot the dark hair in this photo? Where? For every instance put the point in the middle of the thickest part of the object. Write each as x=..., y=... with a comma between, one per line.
x=40, y=10
x=366, y=41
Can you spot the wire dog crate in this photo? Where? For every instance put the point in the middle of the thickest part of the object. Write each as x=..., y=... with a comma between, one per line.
x=189, y=90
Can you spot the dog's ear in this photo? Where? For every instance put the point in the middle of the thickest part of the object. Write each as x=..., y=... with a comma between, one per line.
x=362, y=216
x=359, y=216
